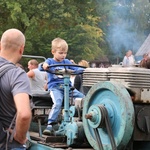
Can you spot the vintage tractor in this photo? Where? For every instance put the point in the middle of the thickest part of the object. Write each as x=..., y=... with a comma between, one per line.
x=114, y=115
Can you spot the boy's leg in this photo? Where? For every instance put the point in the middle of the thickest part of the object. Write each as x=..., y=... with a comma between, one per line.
x=57, y=98
x=78, y=97
x=76, y=94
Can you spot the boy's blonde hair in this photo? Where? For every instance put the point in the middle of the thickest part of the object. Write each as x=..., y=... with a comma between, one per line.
x=59, y=44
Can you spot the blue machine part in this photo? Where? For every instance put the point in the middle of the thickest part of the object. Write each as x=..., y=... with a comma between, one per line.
x=116, y=99
x=72, y=111
x=75, y=133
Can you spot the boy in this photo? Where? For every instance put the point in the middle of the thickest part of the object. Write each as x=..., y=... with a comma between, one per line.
x=56, y=82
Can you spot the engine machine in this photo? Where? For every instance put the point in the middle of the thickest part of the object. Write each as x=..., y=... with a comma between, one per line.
x=131, y=85
x=114, y=115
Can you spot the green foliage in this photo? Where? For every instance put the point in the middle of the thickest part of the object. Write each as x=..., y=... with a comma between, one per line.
x=141, y=15
x=84, y=24
x=42, y=21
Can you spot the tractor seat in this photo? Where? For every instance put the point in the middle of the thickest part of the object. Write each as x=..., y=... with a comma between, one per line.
x=40, y=104
x=42, y=100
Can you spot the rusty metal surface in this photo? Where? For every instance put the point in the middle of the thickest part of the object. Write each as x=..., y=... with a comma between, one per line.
x=57, y=142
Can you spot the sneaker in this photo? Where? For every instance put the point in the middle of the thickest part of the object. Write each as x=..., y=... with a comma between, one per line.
x=48, y=130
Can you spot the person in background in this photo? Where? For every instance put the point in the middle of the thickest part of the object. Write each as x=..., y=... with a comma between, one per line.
x=148, y=63
x=72, y=77
x=143, y=62
x=128, y=59
x=101, y=65
x=15, y=90
x=56, y=82
x=73, y=62
x=93, y=65
x=38, y=79
x=79, y=78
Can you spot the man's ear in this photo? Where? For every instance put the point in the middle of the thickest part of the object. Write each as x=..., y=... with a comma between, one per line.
x=0, y=45
x=21, y=50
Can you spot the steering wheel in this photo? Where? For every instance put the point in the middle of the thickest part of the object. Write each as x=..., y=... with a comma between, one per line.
x=66, y=70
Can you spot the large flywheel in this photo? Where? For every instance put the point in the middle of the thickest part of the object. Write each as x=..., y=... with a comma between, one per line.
x=108, y=116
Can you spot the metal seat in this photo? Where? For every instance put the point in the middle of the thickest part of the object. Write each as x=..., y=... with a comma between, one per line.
x=42, y=101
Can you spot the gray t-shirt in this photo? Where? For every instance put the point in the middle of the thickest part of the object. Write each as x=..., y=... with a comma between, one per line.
x=13, y=82
x=38, y=82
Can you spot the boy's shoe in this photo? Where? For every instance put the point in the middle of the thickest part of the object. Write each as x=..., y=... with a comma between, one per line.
x=48, y=130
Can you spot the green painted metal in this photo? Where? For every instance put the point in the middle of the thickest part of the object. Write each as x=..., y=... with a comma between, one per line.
x=116, y=99
x=75, y=133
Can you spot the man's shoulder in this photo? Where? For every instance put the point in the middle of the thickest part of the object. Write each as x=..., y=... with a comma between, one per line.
x=14, y=71
x=3, y=62
x=38, y=72
x=17, y=74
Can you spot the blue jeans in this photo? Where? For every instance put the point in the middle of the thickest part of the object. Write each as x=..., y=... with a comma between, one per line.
x=57, y=95
x=14, y=145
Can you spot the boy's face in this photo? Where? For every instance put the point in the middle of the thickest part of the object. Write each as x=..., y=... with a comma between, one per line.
x=59, y=55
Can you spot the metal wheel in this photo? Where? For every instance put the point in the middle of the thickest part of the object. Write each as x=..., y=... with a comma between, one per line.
x=116, y=99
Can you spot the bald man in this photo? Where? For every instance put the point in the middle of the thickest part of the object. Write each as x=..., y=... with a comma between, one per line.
x=15, y=89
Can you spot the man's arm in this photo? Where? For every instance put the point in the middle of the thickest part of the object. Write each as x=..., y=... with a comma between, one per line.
x=23, y=118
x=31, y=74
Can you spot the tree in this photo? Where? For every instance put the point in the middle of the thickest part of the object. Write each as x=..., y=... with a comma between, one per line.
x=42, y=21
x=126, y=26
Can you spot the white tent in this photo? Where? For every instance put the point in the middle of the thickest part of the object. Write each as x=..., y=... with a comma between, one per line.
x=145, y=48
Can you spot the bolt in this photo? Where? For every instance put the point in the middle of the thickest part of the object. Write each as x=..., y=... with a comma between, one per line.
x=88, y=116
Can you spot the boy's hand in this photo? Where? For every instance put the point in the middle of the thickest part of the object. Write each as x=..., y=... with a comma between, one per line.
x=45, y=66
